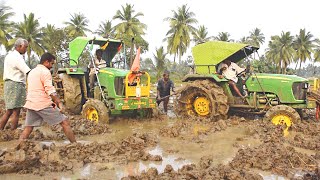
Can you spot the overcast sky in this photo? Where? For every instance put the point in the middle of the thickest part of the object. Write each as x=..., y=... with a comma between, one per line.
x=237, y=17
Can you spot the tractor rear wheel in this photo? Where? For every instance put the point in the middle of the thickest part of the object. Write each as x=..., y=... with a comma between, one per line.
x=72, y=96
x=283, y=115
x=201, y=98
x=95, y=110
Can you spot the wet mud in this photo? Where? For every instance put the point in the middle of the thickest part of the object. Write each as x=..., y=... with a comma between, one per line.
x=38, y=158
x=164, y=147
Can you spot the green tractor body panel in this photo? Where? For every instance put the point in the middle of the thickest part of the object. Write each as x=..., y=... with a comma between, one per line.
x=107, y=78
x=279, y=84
x=207, y=55
x=77, y=46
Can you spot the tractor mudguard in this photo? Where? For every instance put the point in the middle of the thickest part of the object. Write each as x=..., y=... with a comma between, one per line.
x=193, y=77
x=77, y=71
x=217, y=79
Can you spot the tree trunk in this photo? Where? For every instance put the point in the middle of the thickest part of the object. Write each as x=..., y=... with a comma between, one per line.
x=314, y=68
x=296, y=65
x=279, y=68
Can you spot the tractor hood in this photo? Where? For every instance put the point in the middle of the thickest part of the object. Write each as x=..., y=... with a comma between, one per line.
x=114, y=72
x=279, y=77
x=214, y=52
x=109, y=46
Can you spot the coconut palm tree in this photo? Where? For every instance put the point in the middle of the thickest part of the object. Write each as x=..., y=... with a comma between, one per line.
x=223, y=36
x=256, y=37
x=273, y=52
x=281, y=50
x=201, y=35
x=181, y=28
x=303, y=44
x=77, y=25
x=244, y=40
x=316, y=53
x=130, y=25
x=30, y=30
x=54, y=40
x=130, y=29
x=105, y=29
x=5, y=24
x=160, y=61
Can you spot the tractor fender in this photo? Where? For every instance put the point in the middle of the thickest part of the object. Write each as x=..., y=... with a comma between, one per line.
x=214, y=77
x=71, y=71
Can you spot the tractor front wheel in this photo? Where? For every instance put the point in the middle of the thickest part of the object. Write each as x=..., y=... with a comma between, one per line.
x=283, y=115
x=95, y=110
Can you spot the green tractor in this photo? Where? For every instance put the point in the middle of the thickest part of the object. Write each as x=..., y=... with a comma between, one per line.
x=280, y=97
x=113, y=94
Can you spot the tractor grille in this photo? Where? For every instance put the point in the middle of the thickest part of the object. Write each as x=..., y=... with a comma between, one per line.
x=300, y=90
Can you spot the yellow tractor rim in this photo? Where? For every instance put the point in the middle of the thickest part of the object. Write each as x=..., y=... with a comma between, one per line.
x=201, y=106
x=92, y=115
x=282, y=119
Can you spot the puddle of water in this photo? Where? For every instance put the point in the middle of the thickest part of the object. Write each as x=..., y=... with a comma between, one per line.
x=272, y=177
x=219, y=145
x=86, y=171
x=136, y=168
x=124, y=128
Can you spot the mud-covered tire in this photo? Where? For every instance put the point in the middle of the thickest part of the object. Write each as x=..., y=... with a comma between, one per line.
x=95, y=110
x=284, y=110
x=71, y=93
x=210, y=94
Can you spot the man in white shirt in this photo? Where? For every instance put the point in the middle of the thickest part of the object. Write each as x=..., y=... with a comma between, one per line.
x=14, y=76
x=94, y=68
x=230, y=70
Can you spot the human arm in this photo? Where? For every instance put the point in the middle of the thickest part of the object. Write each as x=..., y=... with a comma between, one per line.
x=50, y=90
x=56, y=100
x=158, y=89
x=222, y=72
x=172, y=86
x=237, y=68
x=22, y=66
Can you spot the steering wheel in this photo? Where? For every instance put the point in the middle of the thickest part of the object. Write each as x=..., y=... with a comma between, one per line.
x=76, y=62
x=242, y=73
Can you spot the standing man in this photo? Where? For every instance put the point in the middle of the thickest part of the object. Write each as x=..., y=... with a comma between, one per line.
x=14, y=76
x=98, y=63
x=163, y=90
x=43, y=103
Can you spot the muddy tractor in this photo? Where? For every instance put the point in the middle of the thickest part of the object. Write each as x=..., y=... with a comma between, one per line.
x=281, y=98
x=113, y=94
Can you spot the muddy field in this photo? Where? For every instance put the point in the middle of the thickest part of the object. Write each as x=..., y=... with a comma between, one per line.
x=164, y=148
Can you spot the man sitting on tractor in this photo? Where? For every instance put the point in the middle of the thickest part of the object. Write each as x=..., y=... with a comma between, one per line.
x=94, y=68
x=230, y=70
